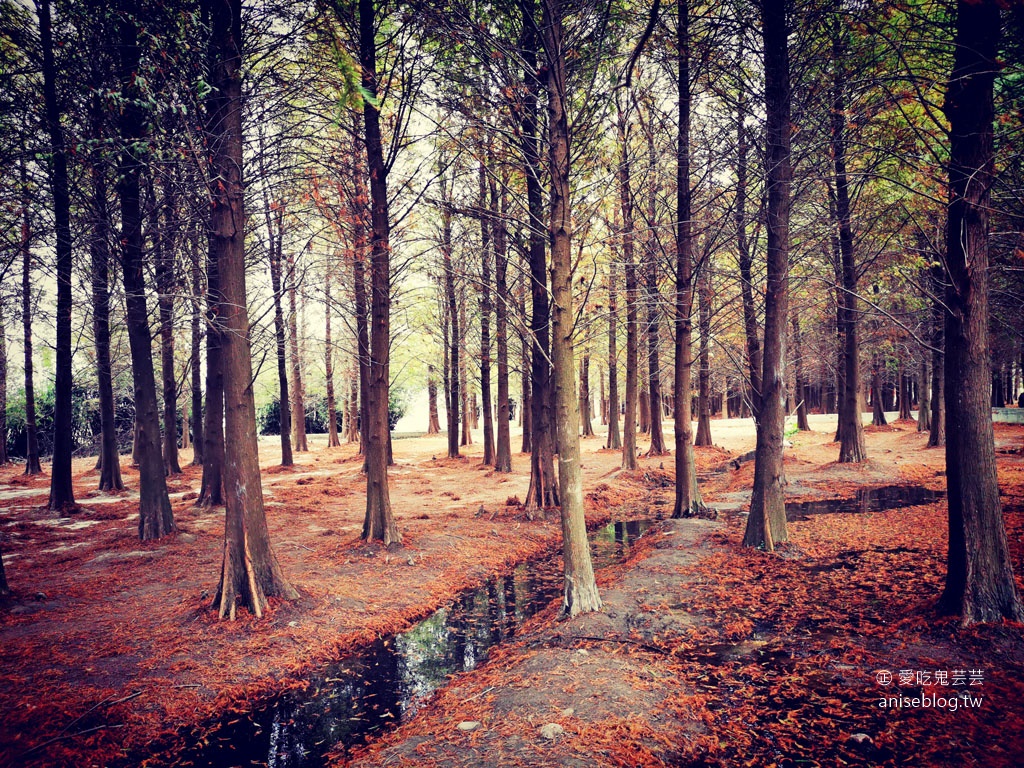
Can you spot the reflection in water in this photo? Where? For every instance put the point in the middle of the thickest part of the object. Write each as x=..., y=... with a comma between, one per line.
x=388, y=680
x=866, y=500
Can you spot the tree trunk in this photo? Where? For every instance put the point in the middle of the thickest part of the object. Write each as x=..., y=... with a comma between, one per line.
x=198, y=442
x=584, y=406
x=211, y=492
x=704, y=381
x=352, y=415
x=629, y=418
x=852, y=448
x=485, y=319
x=652, y=297
x=155, y=517
x=357, y=213
x=580, y=594
x=905, y=395
x=544, y=487
x=32, y=465
x=840, y=299
x=645, y=409
x=332, y=407
x=499, y=207
x=433, y=425
x=4, y=460
x=653, y=300
x=614, y=438
x=877, y=407
x=274, y=216
x=688, y=501
x=250, y=573
x=4, y=588
x=452, y=351
x=979, y=579
x=924, y=406
x=801, y=387
x=99, y=251
x=379, y=523
x=766, y=525
x=998, y=396
x=937, y=433
x=463, y=374
x=526, y=407
x=163, y=239
x=602, y=397
x=298, y=407
x=744, y=256
x=62, y=494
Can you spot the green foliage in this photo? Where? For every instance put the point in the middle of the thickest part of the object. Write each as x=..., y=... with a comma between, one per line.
x=85, y=420
x=268, y=416
x=397, y=403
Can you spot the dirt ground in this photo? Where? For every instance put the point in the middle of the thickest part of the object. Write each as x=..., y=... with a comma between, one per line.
x=705, y=653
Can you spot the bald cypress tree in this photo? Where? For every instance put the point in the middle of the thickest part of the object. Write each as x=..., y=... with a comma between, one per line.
x=979, y=576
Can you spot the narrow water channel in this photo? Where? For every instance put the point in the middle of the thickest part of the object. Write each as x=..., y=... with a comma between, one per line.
x=385, y=683
x=867, y=500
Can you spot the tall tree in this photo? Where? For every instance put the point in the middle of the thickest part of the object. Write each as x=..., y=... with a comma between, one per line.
x=688, y=499
x=766, y=525
x=703, y=437
x=195, y=362
x=652, y=300
x=486, y=308
x=379, y=523
x=4, y=460
x=358, y=204
x=543, y=490
x=273, y=220
x=852, y=447
x=585, y=410
x=453, y=352
x=155, y=516
x=332, y=410
x=937, y=428
x=499, y=212
x=580, y=593
x=62, y=494
x=250, y=573
x=99, y=249
x=211, y=491
x=800, y=390
x=299, y=442
x=632, y=314
x=979, y=576
x=614, y=438
x=743, y=250
x=166, y=285
x=433, y=424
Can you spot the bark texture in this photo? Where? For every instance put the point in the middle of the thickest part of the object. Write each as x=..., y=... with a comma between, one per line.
x=99, y=251
x=155, y=517
x=62, y=495
x=629, y=417
x=379, y=523
x=979, y=577
x=766, y=525
x=544, y=487
x=499, y=208
x=580, y=594
x=614, y=441
x=250, y=573
x=688, y=501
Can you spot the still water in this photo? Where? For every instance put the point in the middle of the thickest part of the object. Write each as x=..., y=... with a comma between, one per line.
x=384, y=683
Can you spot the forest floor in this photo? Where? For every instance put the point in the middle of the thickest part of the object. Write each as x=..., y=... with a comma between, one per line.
x=706, y=653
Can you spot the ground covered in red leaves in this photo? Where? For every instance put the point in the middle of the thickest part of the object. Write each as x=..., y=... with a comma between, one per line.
x=706, y=653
